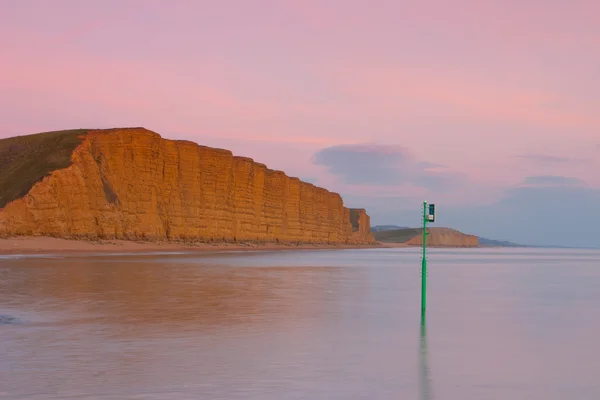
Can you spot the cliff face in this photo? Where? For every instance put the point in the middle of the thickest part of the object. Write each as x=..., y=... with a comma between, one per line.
x=437, y=237
x=132, y=184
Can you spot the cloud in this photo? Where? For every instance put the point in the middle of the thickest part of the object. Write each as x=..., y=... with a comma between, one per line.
x=547, y=159
x=374, y=164
x=367, y=163
x=557, y=215
x=463, y=96
x=439, y=182
x=552, y=180
x=542, y=210
x=428, y=165
x=553, y=211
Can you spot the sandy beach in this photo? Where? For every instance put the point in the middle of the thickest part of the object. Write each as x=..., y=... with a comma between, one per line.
x=50, y=245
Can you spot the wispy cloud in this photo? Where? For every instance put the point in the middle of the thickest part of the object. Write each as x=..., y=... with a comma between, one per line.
x=548, y=158
x=375, y=164
x=553, y=180
x=458, y=94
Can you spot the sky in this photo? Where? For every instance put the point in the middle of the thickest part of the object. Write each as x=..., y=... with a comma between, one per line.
x=489, y=109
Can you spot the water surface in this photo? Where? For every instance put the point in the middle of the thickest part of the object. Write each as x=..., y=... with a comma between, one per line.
x=344, y=324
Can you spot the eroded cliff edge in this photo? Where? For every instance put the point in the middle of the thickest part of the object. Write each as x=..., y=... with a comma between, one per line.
x=133, y=184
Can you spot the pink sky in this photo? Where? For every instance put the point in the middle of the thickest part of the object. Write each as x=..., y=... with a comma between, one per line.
x=470, y=85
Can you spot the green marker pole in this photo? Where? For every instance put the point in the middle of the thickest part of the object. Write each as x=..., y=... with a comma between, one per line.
x=424, y=264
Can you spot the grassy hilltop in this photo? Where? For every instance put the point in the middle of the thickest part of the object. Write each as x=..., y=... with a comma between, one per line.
x=26, y=160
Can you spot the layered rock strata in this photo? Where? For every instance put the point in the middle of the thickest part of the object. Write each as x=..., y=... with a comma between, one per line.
x=133, y=184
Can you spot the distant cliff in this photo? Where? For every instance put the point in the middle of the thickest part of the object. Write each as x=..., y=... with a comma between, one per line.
x=132, y=184
x=437, y=237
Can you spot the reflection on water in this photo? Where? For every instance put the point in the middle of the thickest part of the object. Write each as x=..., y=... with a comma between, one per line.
x=8, y=319
x=301, y=325
x=143, y=299
x=423, y=364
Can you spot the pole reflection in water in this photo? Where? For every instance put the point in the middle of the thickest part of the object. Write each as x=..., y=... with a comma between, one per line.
x=425, y=382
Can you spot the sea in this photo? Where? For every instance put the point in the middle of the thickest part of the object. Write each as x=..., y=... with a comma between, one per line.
x=500, y=323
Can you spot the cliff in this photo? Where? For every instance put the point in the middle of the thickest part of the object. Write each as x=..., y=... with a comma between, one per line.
x=437, y=237
x=133, y=184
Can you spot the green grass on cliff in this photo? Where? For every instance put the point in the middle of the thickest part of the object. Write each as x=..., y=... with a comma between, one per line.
x=397, y=235
x=26, y=160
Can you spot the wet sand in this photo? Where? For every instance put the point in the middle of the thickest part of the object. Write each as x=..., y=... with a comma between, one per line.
x=42, y=244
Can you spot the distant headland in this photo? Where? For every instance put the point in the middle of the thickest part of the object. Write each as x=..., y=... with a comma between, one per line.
x=393, y=236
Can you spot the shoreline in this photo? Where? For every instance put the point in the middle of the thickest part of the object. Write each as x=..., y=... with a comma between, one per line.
x=16, y=245
x=46, y=245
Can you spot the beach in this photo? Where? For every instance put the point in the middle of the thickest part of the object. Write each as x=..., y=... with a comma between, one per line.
x=45, y=244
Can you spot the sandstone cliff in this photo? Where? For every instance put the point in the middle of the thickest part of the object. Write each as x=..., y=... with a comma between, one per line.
x=132, y=184
x=437, y=237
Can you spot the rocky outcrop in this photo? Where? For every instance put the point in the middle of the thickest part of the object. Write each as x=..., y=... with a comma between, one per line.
x=133, y=184
x=436, y=237
x=444, y=237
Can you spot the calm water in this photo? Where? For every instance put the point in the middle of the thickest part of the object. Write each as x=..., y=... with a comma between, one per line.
x=501, y=324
